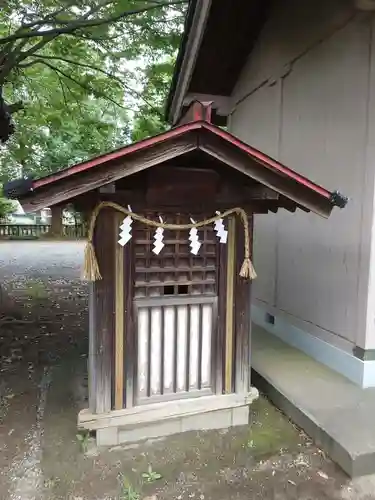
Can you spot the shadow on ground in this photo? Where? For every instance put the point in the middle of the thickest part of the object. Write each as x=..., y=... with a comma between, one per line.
x=44, y=385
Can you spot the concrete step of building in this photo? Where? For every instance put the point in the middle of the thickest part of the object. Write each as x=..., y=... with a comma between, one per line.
x=338, y=415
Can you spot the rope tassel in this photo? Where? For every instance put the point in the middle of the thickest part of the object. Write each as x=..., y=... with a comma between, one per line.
x=91, y=271
x=247, y=270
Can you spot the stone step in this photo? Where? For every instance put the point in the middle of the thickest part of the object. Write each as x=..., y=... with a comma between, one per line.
x=335, y=413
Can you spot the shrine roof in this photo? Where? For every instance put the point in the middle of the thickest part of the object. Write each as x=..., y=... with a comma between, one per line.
x=195, y=132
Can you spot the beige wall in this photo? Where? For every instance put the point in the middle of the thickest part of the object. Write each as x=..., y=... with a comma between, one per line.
x=305, y=98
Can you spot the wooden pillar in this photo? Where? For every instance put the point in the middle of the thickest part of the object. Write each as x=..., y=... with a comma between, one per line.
x=230, y=289
x=242, y=315
x=130, y=335
x=57, y=220
x=219, y=363
x=119, y=318
x=92, y=350
x=102, y=308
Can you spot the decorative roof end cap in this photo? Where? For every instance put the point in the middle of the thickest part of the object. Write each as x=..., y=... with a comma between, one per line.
x=338, y=199
x=18, y=188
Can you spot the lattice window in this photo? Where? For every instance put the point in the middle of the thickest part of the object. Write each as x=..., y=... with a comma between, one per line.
x=175, y=271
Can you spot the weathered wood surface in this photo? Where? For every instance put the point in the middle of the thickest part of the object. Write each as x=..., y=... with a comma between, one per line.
x=219, y=361
x=70, y=187
x=242, y=293
x=103, y=306
x=230, y=303
x=120, y=281
x=130, y=341
x=170, y=409
x=295, y=193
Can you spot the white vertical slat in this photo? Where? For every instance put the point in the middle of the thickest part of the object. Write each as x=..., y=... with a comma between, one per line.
x=181, y=339
x=194, y=346
x=155, y=350
x=169, y=339
x=206, y=344
x=142, y=351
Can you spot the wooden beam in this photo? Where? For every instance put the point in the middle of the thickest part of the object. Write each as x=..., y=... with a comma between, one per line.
x=242, y=316
x=229, y=305
x=149, y=413
x=220, y=324
x=92, y=350
x=108, y=188
x=103, y=311
x=119, y=317
x=130, y=328
x=241, y=162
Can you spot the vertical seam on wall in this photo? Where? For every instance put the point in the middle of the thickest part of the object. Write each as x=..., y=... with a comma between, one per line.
x=279, y=146
x=365, y=171
x=271, y=78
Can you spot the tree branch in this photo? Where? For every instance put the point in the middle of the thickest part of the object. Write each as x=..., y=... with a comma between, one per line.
x=80, y=24
x=80, y=84
x=41, y=58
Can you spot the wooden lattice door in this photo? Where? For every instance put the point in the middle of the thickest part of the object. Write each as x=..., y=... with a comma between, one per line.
x=175, y=299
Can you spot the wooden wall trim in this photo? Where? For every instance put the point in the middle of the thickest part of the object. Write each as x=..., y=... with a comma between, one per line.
x=130, y=328
x=92, y=350
x=119, y=317
x=218, y=364
x=231, y=255
x=103, y=311
x=242, y=294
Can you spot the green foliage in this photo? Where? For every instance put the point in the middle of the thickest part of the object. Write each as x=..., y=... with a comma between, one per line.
x=127, y=490
x=90, y=76
x=151, y=476
x=6, y=206
x=83, y=439
x=150, y=119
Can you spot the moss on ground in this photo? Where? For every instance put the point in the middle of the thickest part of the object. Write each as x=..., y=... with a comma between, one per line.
x=270, y=431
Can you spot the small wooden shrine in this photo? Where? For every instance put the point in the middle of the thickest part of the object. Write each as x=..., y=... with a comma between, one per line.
x=170, y=271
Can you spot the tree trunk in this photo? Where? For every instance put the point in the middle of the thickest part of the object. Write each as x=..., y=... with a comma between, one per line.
x=57, y=221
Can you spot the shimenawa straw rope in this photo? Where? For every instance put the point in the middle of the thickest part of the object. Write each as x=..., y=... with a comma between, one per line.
x=91, y=271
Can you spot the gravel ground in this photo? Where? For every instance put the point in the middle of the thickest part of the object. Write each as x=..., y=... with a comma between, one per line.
x=43, y=386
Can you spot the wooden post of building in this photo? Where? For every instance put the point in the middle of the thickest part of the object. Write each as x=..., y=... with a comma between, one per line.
x=230, y=301
x=57, y=220
x=242, y=316
x=119, y=319
x=102, y=323
x=92, y=350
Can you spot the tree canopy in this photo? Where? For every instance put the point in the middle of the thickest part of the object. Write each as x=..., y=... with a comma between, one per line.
x=84, y=77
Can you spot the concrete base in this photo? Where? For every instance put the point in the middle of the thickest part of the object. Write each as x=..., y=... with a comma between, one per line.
x=283, y=326
x=338, y=415
x=163, y=419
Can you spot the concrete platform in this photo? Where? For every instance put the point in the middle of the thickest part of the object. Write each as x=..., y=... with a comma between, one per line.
x=338, y=415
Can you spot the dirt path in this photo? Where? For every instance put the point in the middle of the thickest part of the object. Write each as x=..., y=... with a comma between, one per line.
x=43, y=386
